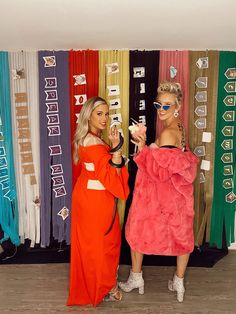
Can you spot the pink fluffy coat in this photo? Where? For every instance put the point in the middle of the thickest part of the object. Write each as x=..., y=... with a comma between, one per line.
x=160, y=219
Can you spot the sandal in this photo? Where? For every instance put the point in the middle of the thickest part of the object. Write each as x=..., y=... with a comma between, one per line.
x=114, y=295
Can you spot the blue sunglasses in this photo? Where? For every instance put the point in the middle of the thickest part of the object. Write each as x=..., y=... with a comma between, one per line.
x=165, y=107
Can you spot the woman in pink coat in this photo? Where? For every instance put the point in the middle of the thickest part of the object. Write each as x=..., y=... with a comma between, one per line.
x=160, y=219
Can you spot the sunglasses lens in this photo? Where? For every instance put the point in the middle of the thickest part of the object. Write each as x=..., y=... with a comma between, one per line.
x=157, y=105
x=166, y=107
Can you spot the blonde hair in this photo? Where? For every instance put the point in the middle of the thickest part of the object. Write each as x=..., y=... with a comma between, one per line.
x=83, y=125
x=171, y=88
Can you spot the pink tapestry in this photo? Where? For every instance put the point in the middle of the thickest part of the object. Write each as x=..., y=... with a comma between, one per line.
x=174, y=67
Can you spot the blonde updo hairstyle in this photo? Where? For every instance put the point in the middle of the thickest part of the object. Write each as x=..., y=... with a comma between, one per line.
x=83, y=123
x=171, y=88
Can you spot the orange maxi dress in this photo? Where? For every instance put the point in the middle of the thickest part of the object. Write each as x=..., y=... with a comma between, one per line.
x=94, y=255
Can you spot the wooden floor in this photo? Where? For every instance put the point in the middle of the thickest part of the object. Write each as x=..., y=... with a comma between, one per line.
x=42, y=289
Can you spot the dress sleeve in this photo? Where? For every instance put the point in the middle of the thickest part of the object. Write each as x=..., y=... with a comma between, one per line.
x=115, y=183
x=163, y=163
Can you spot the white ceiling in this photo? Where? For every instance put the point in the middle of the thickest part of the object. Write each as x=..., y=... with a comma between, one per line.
x=117, y=24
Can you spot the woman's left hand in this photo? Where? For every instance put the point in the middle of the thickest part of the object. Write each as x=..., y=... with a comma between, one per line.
x=140, y=141
x=114, y=136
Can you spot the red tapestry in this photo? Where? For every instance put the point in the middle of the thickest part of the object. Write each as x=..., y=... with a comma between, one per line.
x=83, y=80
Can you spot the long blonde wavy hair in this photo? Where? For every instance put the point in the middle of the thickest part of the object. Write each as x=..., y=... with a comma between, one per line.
x=171, y=88
x=83, y=124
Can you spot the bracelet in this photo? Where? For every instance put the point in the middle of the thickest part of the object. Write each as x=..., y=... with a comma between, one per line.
x=118, y=147
x=117, y=165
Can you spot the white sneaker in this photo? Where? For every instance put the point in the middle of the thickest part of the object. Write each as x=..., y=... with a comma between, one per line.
x=134, y=281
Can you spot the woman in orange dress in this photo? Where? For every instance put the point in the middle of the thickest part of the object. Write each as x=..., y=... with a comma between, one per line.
x=95, y=228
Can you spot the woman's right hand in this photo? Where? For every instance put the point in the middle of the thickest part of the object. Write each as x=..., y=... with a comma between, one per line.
x=114, y=136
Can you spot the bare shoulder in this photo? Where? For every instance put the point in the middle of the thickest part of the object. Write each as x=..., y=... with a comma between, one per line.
x=168, y=136
x=90, y=140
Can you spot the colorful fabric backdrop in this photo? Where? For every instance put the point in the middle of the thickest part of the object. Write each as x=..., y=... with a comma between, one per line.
x=41, y=95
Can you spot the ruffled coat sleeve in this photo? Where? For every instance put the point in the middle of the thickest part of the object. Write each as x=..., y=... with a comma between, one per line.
x=161, y=164
x=107, y=175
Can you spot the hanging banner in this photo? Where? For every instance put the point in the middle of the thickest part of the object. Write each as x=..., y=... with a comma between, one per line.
x=25, y=123
x=224, y=203
x=174, y=67
x=144, y=68
x=143, y=72
x=54, y=146
x=202, y=117
x=83, y=80
x=114, y=87
x=8, y=197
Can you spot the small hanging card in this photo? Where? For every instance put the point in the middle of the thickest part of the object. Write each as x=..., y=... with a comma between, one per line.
x=52, y=107
x=49, y=61
x=142, y=88
x=80, y=99
x=51, y=94
x=60, y=191
x=55, y=150
x=113, y=90
x=56, y=169
x=64, y=213
x=53, y=118
x=114, y=104
x=116, y=118
x=201, y=82
x=50, y=82
x=79, y=79
x=54, y=130
x=142, y=104
x=206, y=137
x=138, y=72
x=205, y=165
x=112, y=68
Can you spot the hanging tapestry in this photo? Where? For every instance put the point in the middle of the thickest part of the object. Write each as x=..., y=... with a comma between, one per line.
x=143, y=90
x=25, y=124
x=8, y=197
x=55, y=147
x=174, y=67
x=83, y=78
x=114, y=87
x=202, y=120
x=224, y=202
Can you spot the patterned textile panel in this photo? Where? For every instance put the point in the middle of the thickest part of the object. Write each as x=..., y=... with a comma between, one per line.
x=223, y=208
x=25, y=123
x=174, y=67
x=144, y=67
x=8, y=197
x=202, y=119
x=55, y=148
x=114, y=87
x=83, y=79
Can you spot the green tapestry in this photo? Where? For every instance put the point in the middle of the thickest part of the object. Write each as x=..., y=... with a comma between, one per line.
x=224, y=201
